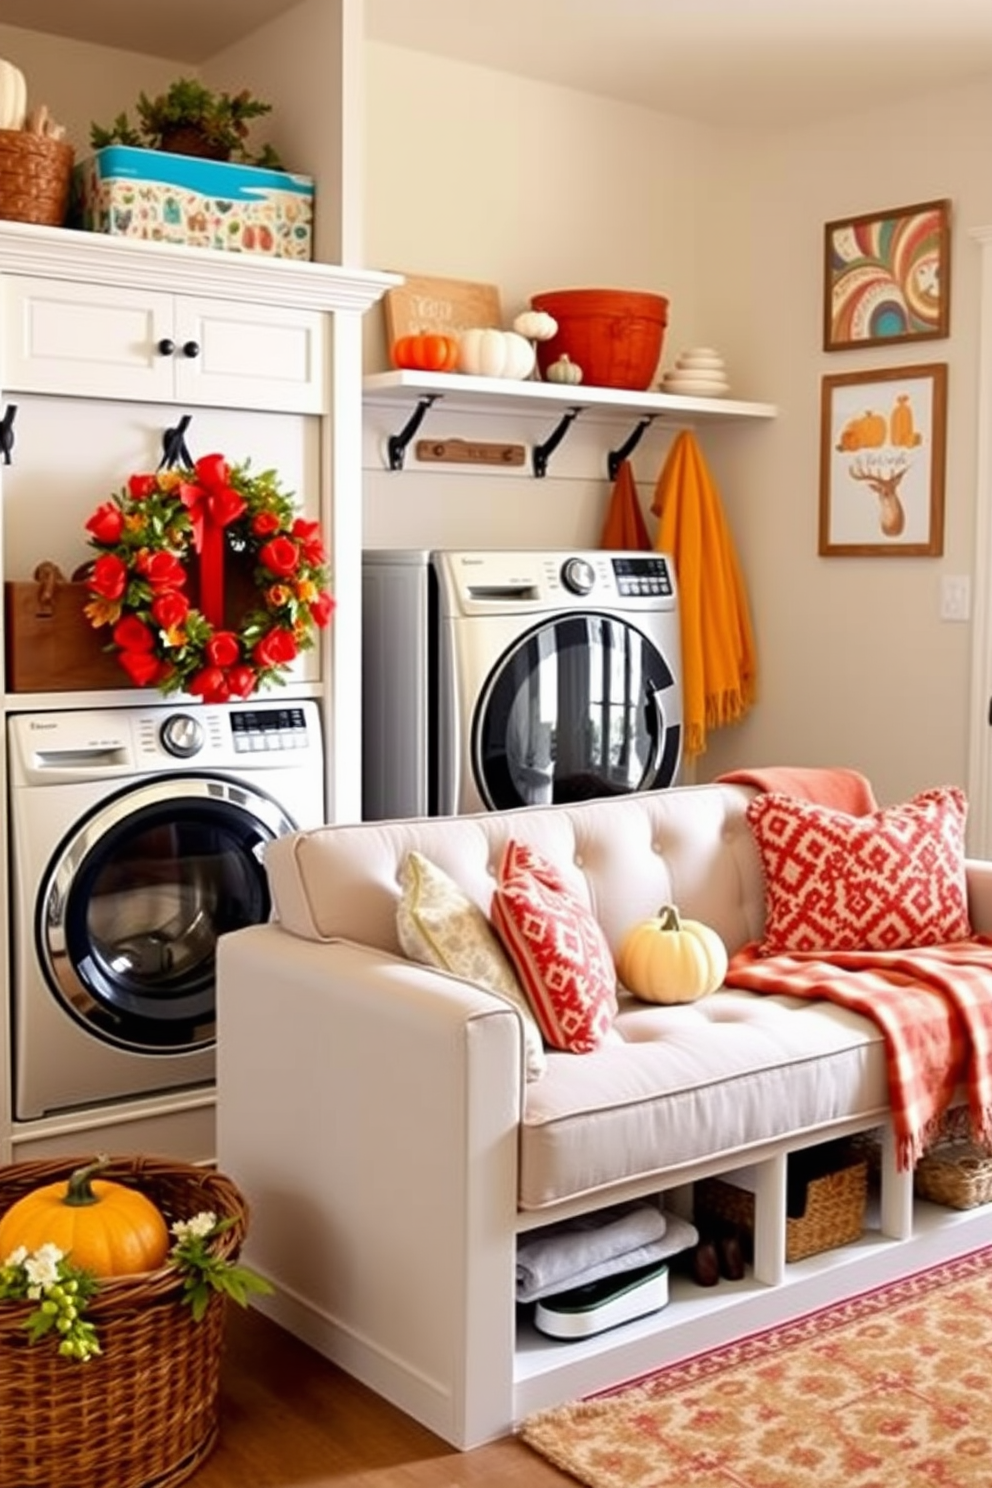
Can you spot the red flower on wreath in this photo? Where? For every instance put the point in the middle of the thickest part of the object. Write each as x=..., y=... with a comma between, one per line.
x=146, y=538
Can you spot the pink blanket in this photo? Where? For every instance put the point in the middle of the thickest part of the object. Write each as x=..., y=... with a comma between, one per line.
x=934, y=1008
x=839, y=788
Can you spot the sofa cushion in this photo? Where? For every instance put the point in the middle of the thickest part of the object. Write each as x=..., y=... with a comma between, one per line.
x=889, y=880
x=559, y=951
x=438, y=925
x=720, y=1075
x=621, y=856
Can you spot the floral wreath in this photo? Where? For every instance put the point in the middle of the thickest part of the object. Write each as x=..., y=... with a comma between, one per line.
x=146, y=536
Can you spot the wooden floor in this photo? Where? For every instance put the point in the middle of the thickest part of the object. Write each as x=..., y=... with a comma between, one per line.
x=290, y=1419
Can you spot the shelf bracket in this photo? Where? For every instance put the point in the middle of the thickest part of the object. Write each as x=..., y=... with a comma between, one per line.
x=543, y=452
x=616, y=457
x=397, y=443
x=7, y=431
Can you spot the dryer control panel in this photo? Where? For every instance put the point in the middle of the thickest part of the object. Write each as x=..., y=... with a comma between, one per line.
x=642, y=576
x=258, y=729
x=54, y=748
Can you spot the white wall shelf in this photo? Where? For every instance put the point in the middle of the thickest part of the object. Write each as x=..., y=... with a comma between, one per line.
x=415, y=392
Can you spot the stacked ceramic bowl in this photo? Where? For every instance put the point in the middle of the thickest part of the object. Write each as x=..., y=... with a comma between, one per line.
x=698, y=373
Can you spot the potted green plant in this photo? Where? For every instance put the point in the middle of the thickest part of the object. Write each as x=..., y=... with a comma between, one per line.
x=191, y=119
x=180, y=170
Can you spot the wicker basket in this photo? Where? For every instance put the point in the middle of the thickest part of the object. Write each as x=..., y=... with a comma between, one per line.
x=35, y=177
x=144, y=1412
x=955, y=1173
x=826, y=1209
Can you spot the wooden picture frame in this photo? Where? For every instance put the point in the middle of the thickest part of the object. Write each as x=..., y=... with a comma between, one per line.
x=421, y=304
x=887, y=277
x=882, y=457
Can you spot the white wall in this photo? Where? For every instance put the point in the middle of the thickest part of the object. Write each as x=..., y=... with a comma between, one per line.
x=541, y=188
x=856, y=664
x=83, y=84
x=484, y=176
x=308, y=65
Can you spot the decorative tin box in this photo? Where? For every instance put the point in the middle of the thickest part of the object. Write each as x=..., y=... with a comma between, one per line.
x=167, y=198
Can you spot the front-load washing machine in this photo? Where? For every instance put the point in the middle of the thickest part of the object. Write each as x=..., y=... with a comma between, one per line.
x=494, y=679
x=137, y=837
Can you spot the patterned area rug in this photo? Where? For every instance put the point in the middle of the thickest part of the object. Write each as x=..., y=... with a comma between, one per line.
x=890, y=1390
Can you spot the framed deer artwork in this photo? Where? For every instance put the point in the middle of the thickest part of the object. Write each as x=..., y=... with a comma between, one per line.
x=882, y=453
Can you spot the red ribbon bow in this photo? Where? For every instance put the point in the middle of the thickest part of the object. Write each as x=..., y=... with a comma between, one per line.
x=212, y=504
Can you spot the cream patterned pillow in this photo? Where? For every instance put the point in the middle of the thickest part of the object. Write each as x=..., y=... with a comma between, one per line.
x=438, y=925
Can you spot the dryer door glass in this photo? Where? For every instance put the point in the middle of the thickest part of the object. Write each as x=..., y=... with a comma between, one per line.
x=581, y=706
x=130, y=914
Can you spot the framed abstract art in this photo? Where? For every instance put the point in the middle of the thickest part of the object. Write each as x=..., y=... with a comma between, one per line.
x=887, y=277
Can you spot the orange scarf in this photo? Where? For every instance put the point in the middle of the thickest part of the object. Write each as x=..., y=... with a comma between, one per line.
x=719, y=672
x=624, y=526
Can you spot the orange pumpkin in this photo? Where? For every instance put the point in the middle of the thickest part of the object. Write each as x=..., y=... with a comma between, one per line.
x=103, y=1227
x=867, y=432
x=426, y=351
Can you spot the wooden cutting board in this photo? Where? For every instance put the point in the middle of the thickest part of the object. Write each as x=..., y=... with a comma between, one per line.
x=448, y=305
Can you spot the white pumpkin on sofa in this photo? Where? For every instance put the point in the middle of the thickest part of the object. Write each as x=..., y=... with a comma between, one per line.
x=668, y=960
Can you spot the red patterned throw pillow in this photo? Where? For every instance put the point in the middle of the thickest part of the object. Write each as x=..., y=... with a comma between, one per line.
x=558, y=950
x=882, y=882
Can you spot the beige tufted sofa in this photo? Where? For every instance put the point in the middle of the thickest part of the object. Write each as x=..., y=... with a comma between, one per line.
x=376, y=1113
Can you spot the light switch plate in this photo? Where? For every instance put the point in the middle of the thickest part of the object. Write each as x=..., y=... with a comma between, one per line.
x=955, y=597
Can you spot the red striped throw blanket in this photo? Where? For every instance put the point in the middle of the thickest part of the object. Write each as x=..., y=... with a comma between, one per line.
x=933, y=1006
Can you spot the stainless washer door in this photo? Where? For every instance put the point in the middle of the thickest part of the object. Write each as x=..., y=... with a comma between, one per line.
x=133, y=902
x=580, y=706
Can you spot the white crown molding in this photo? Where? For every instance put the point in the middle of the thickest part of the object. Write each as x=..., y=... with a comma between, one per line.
x=63, y=253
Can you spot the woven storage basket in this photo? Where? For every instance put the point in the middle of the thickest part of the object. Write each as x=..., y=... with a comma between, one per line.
x=833, y=1215
x=144, y=1412
x=956, y=1173
x=35, y=177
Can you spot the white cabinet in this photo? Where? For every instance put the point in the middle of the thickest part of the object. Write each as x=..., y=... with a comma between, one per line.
x=78, y=323
x=89, y=388
x=111, y=341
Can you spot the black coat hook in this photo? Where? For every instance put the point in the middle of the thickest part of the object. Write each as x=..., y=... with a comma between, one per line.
x=7, y=431
x=174, y=450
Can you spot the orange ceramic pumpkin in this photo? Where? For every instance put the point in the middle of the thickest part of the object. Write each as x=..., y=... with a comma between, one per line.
x=427, y=351
x=104, y=1227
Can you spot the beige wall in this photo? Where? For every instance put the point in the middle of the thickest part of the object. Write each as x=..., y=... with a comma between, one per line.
x=80, y=83
x=538, y=187
x=486, y=176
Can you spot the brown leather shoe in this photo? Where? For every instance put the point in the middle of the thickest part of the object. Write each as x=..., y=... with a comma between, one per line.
x=705, y=1264
x=731, y=1257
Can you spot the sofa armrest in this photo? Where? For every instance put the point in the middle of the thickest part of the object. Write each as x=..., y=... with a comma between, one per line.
x=979, y=875
x=369, y=1109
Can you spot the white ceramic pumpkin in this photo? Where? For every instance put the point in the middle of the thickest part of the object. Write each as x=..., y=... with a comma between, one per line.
x=668, y=960
x=564, y=370
x=536, y=325
x=13, y=96
x=487, y=352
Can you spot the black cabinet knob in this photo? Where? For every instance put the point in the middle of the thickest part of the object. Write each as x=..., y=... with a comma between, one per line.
x=166, y=347
x=191, y=348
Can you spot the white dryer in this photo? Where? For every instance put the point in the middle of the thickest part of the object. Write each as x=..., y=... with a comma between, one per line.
x=137, y=838
x=494, y=679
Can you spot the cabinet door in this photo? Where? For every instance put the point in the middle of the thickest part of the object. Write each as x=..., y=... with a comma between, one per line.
x=85, y=340
x=235, y=355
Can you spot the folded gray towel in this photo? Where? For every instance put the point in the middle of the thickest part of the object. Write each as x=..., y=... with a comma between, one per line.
x=575, y=1251
x=680, y=1235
